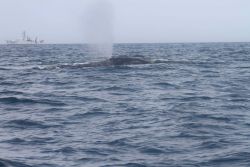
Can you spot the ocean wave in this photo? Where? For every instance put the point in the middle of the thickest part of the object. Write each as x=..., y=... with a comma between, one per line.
x=127, y=165
x=229, y=159
x=66, y=150
x=15, y=100
x=167, y=85
x=90, y=114
x=7, y=92
x=10, y=163
x=30, y=141
x=4, y=69
x=26, y=124
x=152, y=151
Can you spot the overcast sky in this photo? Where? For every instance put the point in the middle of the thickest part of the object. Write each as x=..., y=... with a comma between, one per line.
x=64, y=21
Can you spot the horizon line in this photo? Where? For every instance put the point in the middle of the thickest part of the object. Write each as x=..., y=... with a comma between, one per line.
x=78, y=43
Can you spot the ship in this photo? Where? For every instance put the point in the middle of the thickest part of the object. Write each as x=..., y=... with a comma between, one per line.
x=26, y=39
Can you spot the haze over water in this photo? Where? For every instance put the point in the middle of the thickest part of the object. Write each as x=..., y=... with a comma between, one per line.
x=135, y=21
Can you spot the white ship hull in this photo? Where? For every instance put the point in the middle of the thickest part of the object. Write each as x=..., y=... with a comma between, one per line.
x=23, y=43
x=26, y=40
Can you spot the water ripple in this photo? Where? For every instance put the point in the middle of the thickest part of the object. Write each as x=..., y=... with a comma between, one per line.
x=188, y=109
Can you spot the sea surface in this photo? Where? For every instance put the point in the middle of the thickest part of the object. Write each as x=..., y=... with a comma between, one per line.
x=191, y=110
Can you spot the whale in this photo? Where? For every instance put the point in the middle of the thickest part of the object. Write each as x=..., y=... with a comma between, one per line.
x=114, y=61
x=126, y=60
x=120, y=61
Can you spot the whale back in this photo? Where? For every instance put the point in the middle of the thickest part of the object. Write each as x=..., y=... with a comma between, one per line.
x=126, y=60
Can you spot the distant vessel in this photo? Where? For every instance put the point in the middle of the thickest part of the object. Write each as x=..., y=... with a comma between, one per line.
x=26, y=40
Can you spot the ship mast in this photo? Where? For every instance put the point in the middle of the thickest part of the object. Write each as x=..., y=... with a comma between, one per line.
x=24, y=35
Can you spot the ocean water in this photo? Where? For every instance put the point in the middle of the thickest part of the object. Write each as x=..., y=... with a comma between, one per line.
x=193, y=110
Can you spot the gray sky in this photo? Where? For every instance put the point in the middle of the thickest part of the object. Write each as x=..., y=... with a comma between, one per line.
x=64, y=21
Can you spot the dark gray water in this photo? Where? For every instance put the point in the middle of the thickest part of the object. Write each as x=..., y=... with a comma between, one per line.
x=192, y=108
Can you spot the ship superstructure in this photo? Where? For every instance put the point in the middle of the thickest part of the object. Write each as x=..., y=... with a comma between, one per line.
x=26, y=39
